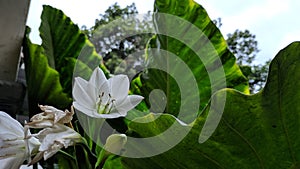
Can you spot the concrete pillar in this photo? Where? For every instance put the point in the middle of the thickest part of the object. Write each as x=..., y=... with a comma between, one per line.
x=13, y=15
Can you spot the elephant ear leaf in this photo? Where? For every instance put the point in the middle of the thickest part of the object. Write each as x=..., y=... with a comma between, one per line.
x=185, y=30
x=64, y=44
x=42, y=81
x=255, y=131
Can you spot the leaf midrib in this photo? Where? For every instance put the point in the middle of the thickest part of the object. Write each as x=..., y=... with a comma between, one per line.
x=280, y=111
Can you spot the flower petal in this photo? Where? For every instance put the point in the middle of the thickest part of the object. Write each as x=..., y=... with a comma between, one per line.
x=119, y=86
x=103, y=92
x=11, y=137
x=12, y=163
x=108, y=116
x=32, y=144
x=94, y=113
x=12, y=148
x=40, y=124
x=54, y=114
x=98, y=85
x=80, y=93
x=129, y=103
x=53, y=139
x=84, y=109
x=97, y=78
x=7, y=123
x=58, y=115
x=42, y=116
x=52, y=149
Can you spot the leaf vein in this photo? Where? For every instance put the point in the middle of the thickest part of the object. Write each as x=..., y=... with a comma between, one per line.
x=246, y=141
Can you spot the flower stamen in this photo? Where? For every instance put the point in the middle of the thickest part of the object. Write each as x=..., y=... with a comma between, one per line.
x=105, y=108
x=112, y=105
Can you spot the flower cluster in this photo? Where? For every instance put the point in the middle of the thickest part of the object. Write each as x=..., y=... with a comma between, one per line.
x=54, y=134
x=97, y=98
x=18, y=144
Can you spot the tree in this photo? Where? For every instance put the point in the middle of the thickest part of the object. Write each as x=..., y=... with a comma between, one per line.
x=121, y=45
x=258, y=76
x=245, y=47
x=218, y=22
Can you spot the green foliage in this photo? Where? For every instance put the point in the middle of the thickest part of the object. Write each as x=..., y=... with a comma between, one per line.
x=50, y=67
x=243, y=45
x=258, y=76
x=63, y=43
x=205, y=60
x=75, y=157
x=256, y=131
x=43, y=82
x=115, y=12
x=113, y=162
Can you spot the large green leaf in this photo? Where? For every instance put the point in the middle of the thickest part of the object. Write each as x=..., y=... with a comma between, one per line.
x=255, y=131
x=42, y=81
x=201, y=57
x=64, y=43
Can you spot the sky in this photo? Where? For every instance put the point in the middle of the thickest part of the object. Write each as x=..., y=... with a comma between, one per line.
x=274, y=22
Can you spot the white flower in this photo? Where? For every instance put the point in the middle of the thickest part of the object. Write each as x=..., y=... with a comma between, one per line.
x=49, y=117
x=53, y=139
x=15, y=146
x=102, y=98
